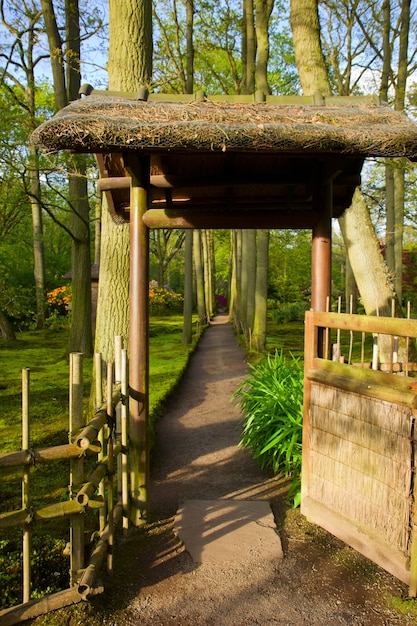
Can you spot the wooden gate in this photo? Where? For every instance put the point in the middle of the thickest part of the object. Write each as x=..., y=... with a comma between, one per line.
x=359, y=441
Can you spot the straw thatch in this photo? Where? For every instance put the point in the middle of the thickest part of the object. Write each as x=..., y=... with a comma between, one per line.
x=360, y=461
x=106, y=123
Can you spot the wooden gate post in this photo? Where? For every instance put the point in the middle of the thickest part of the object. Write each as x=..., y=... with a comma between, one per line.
x=321, y=259
x=139, y=339
x=322, y=246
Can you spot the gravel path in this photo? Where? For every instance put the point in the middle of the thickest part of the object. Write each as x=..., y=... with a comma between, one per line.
x=320, y=581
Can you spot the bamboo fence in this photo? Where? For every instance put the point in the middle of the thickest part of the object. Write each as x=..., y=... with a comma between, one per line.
x=104, y=489
x=359, y=443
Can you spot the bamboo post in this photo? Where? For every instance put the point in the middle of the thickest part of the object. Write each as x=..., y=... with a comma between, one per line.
x=110, y=468
x=118, y=345
x=76, y=422
x=407, y=340
x=351, y=332
x=139, y=169
x=99, y=400
x=27, y=532
x=124, y=430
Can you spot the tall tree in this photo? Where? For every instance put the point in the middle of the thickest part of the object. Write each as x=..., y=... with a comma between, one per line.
x=130, y=68
x=19, y=64
x=65, y=61
x=374, y=283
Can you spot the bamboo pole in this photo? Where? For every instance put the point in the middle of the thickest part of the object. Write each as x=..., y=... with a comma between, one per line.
x=124, y=431
x=96, y=477
x=76, y=465
x=88, y=578
x=89, y=434
x=35, y=608
x=110, y=465
x=27, y=533
x=45, y=455
x=101, y=415
x=118, y=346
x=48, y=512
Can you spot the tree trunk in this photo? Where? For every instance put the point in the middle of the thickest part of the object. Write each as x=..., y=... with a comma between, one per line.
x=261, y=297
x=130, y=67
x=307, y=46
x=248, y=47
x=361, y=243
x=263, y=14
x=38, y=247
x=113, y=299
x=187, y=332
x=81, y=335
x=6, y=329
x=130, y=49
x=199, y=277
x=250, y=257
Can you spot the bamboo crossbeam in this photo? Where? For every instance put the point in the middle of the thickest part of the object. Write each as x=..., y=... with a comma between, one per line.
x=89, y=434
x=48, y=512
x=87, y=490
x=45, y=455
x=35, y=608
x=88, y=578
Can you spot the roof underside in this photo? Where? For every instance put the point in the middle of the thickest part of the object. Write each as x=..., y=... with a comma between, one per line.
x=235, y=157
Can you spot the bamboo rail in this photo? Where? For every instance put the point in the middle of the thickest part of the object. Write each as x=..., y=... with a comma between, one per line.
x=104, y=437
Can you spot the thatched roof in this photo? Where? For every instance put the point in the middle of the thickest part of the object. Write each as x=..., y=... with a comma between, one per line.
x=107, y=124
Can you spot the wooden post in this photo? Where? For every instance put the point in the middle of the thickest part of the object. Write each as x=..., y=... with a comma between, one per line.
x=322, y=250
x=27, y=533
x=110, y=468
x=102, y=515
x=76, y=421
x=123, y=456
x=310, y=351
x=139, y=339
x=322, y=247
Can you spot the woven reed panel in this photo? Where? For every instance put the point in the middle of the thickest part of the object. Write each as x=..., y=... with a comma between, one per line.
x=361, y=454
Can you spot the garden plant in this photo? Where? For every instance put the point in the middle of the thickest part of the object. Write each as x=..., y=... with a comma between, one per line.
x=271, y=399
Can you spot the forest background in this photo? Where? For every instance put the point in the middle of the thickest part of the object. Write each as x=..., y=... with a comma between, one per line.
x=50, y=210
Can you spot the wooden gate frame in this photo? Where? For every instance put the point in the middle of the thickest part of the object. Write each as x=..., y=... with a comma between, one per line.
x=393, y=400
x=192, y=161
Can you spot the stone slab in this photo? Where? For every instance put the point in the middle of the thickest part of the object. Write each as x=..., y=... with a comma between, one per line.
x=228, y=530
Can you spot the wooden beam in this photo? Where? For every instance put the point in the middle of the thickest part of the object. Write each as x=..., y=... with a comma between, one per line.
x=225, y=219
x=139, y=339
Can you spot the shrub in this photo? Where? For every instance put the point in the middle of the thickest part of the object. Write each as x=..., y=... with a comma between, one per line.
x=285, y=313
x=59, y=300
x=163, y=299
x=271, y=399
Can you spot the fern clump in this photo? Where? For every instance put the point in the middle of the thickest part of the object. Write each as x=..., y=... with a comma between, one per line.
x=271, y=399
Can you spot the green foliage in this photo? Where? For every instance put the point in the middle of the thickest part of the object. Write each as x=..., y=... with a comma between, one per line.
x=48, y=573
x=284, y=313
x=271, y=399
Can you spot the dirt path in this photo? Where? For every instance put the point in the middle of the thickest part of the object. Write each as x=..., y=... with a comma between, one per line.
x=320, y=582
